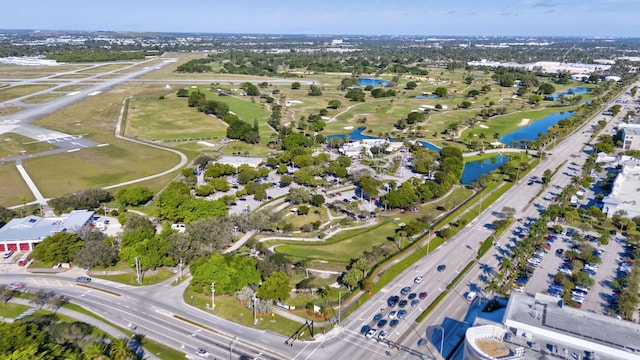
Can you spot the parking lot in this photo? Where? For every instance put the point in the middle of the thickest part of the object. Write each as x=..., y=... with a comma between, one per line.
x=597, y=298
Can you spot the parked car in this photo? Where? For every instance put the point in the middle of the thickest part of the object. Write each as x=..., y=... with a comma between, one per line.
x=371, y=333
x=403, y=303
x=472, y=295
x=383, y=334
x=382, y=323
x=441, y=268
x=7, y=255
x=393, y=323
x=83, y=279
x=402, y=314
x=415, y=302
x=422, y=295
x=377, y=317
x=412, y=296
x=392, y=314
x=405, y=290
x=393, y=300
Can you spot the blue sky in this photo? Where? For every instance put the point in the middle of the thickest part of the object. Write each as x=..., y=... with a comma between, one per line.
x=371, y=17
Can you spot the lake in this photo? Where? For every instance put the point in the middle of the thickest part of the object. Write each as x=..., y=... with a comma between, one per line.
x=373, y=82
x=353, y=136
x=531, y=131
x=575, y=91
x=473, y=169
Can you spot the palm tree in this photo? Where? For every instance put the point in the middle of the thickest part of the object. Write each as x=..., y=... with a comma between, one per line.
x=482, y=136
x=96, y=351
x=120, y=350
x=496, y=136
x=323, y=292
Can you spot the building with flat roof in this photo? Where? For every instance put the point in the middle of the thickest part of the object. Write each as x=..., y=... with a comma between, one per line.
x=630, y=137
x=25, y=233
x=549, y=325
x=624, y=193
x=240, y=160
x=485, y=342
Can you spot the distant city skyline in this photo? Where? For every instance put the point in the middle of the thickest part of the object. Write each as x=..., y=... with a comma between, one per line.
x=608, y=18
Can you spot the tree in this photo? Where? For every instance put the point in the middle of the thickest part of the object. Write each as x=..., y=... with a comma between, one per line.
x=509, y=211
x=355, y=94
x=546, y=88
x=57, y=248
x=299, y=195
x=229, y=272
x=546, y=177
x=334, y=104
x=295, y=85
x=275, y=287
x=134, y=195
x=95, y=253
x=411, y=85
x=120, y=350
x=315, y=90
x=317, y=200
x=441, y=91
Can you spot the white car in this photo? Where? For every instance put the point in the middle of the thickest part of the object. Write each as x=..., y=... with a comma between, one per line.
x=418, y=279
x=472, y=295
x=371, y=333
x=383, y=335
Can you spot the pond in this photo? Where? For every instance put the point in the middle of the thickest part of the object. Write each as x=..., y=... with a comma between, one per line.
x=353, y=136
x=429, y=145
x=426, y=96
x=373, y=82
x=575, y=91
x=531, y=131
x=473, y=169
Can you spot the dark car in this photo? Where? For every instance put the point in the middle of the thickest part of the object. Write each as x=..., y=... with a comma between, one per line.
x=403, y=303
x=415, y=302
x=422, y=295
x=412, y=296
x=402, y=314
x=405, y=290
x=393, y=323
x=382, y=323
x=393, y=300
x=365, y=329
x=201, y=351
x=442, y=267
x=559, y=252
x=377, y=317
x=83, y=279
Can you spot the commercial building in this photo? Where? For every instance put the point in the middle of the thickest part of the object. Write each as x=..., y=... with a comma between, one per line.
x=562, y=331
x=624, y=194
x=630, y=137
x=486, y=342
x=25, y=233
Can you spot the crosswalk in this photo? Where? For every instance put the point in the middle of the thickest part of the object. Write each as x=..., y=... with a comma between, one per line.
x=49, y=282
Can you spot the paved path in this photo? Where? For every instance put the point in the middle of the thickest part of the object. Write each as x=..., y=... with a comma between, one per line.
x=32, y=186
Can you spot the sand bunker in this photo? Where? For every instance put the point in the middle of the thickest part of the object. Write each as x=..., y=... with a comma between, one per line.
x=523, y=122
x=483, y=126
x=348, y=127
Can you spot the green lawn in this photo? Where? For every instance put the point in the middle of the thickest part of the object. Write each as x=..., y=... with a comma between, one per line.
x=11, y=310
x=130, y=278
x=227, y=307
x=10, y=93
x=63, y=173
x=170, y=119
x=14, y=190
x=342, y=251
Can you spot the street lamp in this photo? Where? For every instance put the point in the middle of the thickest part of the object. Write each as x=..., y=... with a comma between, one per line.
x=213, y=296
x=231, y=345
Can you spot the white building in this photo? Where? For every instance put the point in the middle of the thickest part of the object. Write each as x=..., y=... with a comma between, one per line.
x=357, y=148
x=25, y=233
x=630, y=137
x=624, y=193
x=567, y=332
x=486, y=342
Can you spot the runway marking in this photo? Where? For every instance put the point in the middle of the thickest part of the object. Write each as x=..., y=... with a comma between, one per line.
x=94, y=93
x=101, y=145
x=73, y=150
x=73, y=93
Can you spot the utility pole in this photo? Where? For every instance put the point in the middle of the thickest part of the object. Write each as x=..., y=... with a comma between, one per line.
x=339, y=306
x=138, y=277
x=253, y=297
x=213, y=296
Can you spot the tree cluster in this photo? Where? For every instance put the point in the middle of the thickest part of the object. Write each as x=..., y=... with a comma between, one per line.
x=85, y=200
